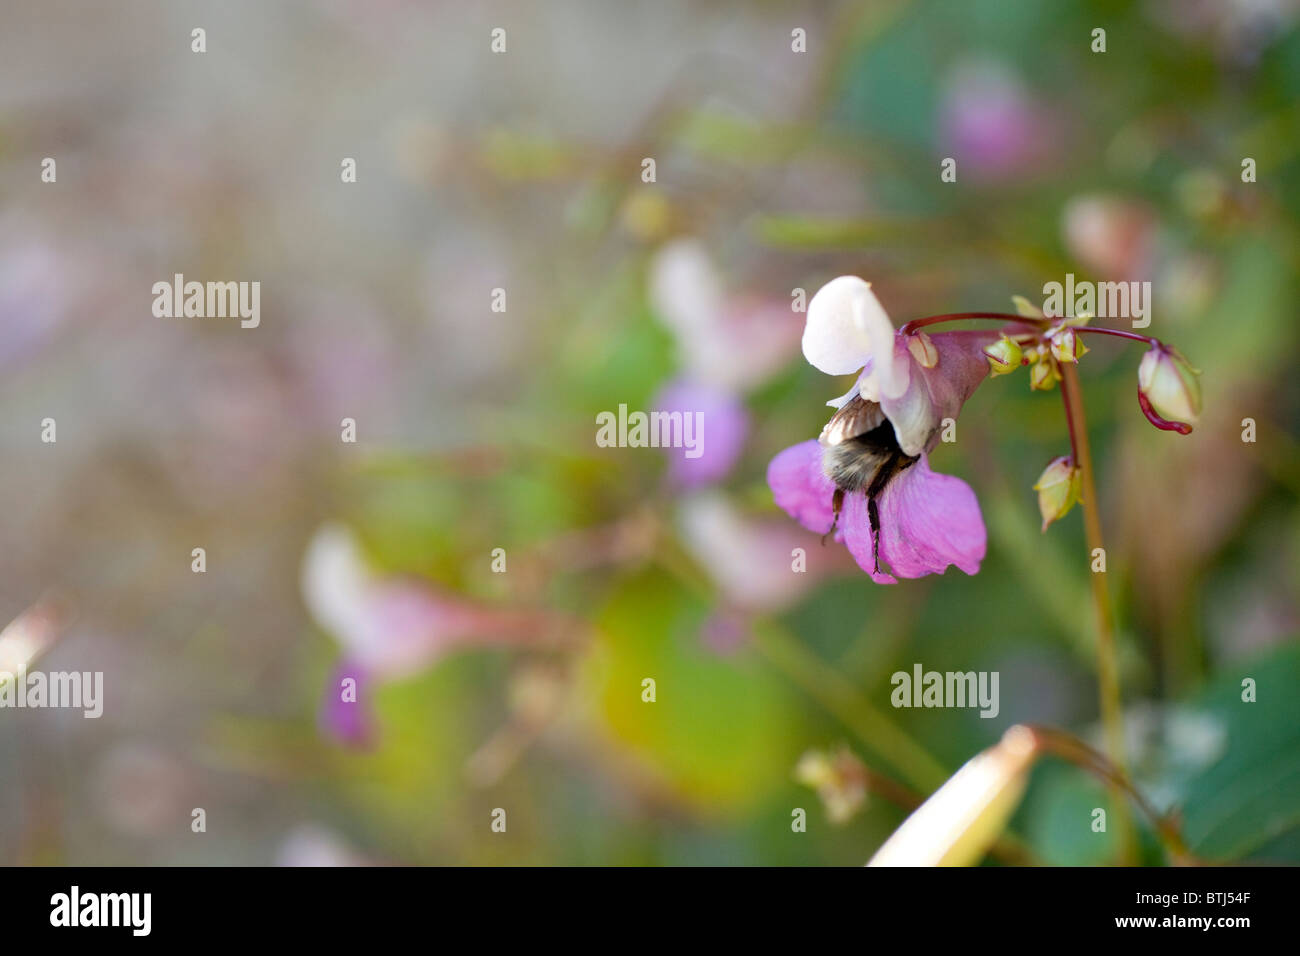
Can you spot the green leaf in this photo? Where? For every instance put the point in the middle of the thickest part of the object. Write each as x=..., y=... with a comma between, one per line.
x=716, y=721
x=1251, y=796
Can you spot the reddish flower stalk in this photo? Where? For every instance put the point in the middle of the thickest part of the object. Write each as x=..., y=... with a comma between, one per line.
x=910, y=327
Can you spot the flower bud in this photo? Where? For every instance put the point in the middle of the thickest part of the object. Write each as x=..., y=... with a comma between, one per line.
x=1058, y=489
x=839, y=778
x=1004, y=355
x=965, y=817
x=1044, y=373
x=1168, y=391
x=1067, y=346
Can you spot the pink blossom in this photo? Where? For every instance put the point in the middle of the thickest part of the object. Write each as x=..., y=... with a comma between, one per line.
x=750, y=558
x=348, y=714
x=990, y=123
x=724, y=428
x=725, y=341
x=726, y=345
x=390, y=628
x=868, y=476
x=395, y=627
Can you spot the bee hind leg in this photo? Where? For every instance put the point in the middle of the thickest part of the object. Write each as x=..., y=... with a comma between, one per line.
x=837, y=503
x=874, y=515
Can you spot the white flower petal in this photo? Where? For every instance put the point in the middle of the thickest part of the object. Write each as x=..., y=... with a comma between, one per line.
x=889, y=373
x=685, y=289
x=846, y=326
x=912, y=415
x=335, y=581
x=845, y=398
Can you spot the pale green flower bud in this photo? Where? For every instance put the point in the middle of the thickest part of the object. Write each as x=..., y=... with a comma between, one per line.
x=1044, y=373
x=1004, y=355
x=1058, y=489
x=1067, y=346
x=1168, y=387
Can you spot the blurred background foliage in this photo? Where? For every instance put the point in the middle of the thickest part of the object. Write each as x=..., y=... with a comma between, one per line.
x=476, y=428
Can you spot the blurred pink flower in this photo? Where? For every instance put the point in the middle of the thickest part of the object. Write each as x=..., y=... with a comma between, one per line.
x=1111, y=236
x=989, y=123
x=722, y=341
x=391, y=628
x=348, y=714
x=752, y=560
x=725, y=425
x=725, y=346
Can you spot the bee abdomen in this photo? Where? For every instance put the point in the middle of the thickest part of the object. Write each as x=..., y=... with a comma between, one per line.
x=852, y=464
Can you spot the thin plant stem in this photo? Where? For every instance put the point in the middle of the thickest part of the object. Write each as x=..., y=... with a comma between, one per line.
x=1070, y=748
x=1070, y=415
x=1112, y=716
x=1118, y=333
x=910, y=327
x=829, y=687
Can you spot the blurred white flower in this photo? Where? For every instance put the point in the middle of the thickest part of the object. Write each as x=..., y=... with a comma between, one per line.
x=729, y=342
x=1111, y=236
x=313, y=845
x=393, y=627
x=751, y=559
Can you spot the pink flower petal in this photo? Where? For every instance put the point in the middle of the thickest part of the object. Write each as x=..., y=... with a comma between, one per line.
x=724, y=426
x=350, y=722
x=934, y=394
x=929, y=521
x=801, y=488
x=855, y=528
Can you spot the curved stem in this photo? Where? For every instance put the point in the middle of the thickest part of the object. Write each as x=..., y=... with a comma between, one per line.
x=1070, y=414
x=1068, y=747
x=827, y=686
x=910, y=327
x=1118, y=333
x=1107, y=665
x=837, y=694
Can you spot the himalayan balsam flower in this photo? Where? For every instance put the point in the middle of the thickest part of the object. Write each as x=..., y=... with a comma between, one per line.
x=868, y=478
x=726, y=346
x=390, y=628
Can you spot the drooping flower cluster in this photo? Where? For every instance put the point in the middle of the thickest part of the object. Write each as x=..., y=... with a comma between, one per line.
x=1168, y=392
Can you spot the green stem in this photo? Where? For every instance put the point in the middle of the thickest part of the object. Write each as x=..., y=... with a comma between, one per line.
x=829, y=687
x=1070, y=748
x=1112, y=715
